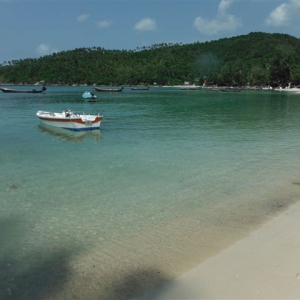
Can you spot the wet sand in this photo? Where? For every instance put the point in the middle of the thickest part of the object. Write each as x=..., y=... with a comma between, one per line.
x=257, y=261
x=264, y=265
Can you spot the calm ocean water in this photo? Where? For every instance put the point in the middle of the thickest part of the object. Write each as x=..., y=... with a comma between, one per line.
x=162, y=160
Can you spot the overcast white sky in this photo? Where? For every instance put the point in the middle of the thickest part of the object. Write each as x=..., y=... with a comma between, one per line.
x=33, y=28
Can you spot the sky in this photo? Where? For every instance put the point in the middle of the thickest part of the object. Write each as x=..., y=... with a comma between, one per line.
x=34, y=28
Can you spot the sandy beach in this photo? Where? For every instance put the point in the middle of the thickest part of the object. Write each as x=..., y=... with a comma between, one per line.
x=264, y=265
x=249, y=253
x=293, y=90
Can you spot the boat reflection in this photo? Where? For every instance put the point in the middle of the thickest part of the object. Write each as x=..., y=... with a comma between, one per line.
x=68, y=135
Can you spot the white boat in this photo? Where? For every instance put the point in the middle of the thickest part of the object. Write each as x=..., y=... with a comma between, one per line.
x=70, y=120
x=89, y=95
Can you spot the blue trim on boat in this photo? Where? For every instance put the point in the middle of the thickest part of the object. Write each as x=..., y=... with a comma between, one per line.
x=81, y=129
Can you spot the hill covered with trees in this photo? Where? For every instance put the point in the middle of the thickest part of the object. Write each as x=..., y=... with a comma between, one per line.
x=255, y=59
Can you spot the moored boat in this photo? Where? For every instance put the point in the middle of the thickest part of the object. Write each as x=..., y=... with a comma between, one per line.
x=103, y=89
x=235, y=90
x=90, y=96
x=70, y=120
x=140, y=88
x=33, y=91
x=191, y=87
x=213, y=89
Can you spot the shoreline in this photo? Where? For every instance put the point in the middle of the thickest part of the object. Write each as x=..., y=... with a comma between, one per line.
x=179, y=86
x=263, y=265
x=158, y=261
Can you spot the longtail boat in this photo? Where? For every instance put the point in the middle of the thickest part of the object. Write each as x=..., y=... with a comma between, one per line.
x=33, y=91
x=140, y=88
x=103, y=89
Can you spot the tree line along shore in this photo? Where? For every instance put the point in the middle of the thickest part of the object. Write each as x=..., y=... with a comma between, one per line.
x=255, y=59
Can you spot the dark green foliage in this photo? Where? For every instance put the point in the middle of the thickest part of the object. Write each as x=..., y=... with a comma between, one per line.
x=255, y=59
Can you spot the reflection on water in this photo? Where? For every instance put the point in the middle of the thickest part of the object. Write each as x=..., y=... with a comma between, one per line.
x=68, y=135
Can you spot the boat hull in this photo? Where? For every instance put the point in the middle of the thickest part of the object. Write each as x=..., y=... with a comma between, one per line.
x=191, y=88
x=74, y=122
x=140, y=88
x=6, y=90
x=98, y=89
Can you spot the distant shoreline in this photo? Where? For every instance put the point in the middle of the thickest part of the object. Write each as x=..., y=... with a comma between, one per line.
x=182, y=86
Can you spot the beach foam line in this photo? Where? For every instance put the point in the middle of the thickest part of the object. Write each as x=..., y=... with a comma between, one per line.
x=264, y=265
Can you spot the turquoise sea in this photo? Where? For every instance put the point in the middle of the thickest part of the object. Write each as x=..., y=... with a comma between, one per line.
x=172, y=177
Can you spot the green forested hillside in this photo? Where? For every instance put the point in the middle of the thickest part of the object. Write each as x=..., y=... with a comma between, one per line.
x=255, y=59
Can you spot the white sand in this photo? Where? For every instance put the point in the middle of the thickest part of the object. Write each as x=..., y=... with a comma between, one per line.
x=264, y=265
x=294, y=90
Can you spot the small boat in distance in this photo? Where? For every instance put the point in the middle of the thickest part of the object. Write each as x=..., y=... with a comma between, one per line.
x=104, y=89
x=90, y=96
x=191, y=87
x=70, y=120
x=230, y=89
x=140, y=88
x=213, y=89
x=33, y=91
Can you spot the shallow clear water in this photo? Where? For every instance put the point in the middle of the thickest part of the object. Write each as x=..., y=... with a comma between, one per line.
x=159, y=155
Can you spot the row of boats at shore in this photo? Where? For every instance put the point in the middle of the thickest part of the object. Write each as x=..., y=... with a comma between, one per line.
x=70, y=120
x=90, y=96
x=117, y=89
x=74, y=121
x=79, y=121
x=98, y=89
